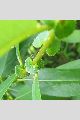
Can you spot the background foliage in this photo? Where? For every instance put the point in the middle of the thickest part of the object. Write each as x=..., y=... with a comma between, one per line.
x=40, y=59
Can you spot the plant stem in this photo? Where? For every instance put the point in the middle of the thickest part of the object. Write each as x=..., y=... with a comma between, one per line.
x=44, y=47
x=18, y=55
x=36, y=94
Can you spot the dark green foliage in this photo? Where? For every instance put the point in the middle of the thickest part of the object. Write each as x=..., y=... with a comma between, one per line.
x=50, y=60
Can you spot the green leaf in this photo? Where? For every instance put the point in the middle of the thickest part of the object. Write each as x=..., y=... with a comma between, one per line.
x=54, y=48
x=9, y=60
x=70, y=65
x=2, y=64
x=64, y=29
x=27, y=90
x=60, y=83
x=22, y=91
x=24, y=48
x=46, y=97
x=14, y=31
x=36, y=95
x=40, y=39
x=4, y=86
x=7, y=63
x=76, y=97
x=73, y=38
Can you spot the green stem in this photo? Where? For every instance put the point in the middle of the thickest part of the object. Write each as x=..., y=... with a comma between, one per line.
x=36, y=94
x=44, y=47
x=18, y=55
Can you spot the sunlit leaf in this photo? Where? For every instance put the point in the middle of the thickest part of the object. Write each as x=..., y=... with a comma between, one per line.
x=15, y=31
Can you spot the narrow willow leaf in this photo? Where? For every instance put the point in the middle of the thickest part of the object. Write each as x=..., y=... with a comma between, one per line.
x=59, y=82
x=18, y=55
x=25, y=48
x=54, y=48
x=22, y=91
x=36, y=95
x=28, y=91
x=3, y=63
x=14, y=31
x=76, y=97
x=53, y=83
x=73, y=38
x=7, y=63
x=25, y=96
x=40, y=39
x=4, y=86
x=70, y=65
